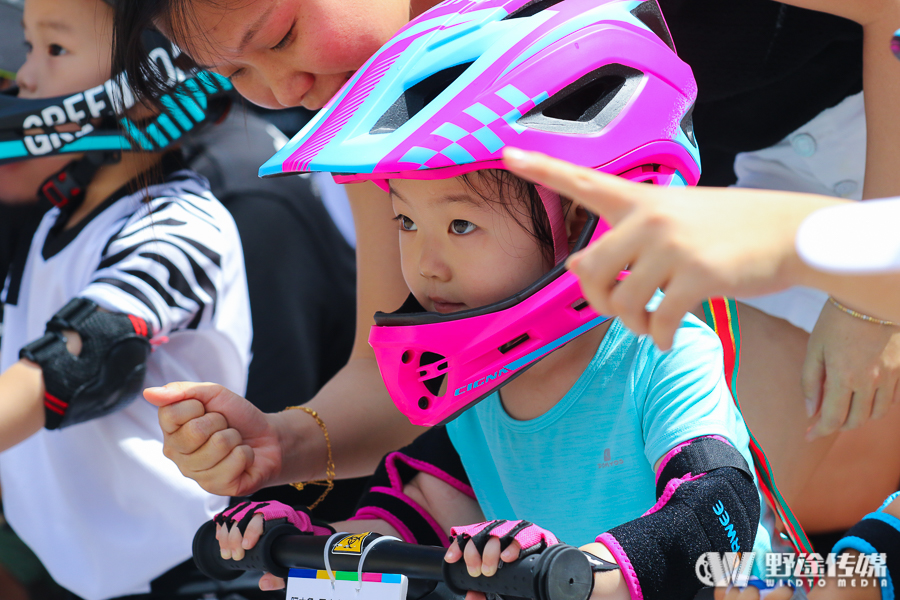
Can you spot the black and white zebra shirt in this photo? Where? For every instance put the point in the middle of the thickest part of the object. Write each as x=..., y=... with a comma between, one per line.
x=98, y=502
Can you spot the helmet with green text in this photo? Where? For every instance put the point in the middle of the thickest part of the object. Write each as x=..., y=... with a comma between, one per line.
x=94, y=123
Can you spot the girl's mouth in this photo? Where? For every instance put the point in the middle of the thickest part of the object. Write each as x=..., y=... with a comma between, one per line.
x=442, y=306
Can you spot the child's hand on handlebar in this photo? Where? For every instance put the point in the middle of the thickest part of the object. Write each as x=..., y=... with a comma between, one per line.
x=233, y=544
x=239, y=528
x=486, y=562
x=484, y=545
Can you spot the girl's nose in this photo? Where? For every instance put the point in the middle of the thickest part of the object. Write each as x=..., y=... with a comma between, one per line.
x=26, y=79
x=432, y=264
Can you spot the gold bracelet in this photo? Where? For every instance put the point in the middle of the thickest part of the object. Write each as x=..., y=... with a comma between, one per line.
x=856, y=314
x=328, y=482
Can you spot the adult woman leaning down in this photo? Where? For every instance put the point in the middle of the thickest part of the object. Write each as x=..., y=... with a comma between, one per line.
x=784, y=65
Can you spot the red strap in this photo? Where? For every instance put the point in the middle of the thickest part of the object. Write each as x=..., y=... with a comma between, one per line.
x=140, y=326
x=55, y=404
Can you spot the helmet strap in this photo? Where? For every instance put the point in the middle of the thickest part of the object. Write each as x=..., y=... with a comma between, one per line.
x=65, y=189
x=553, y=206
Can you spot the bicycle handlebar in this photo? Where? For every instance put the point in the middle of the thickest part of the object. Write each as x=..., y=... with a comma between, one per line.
x=560, y=572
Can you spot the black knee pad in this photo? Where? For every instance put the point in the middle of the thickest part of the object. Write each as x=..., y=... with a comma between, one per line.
x=106, y=376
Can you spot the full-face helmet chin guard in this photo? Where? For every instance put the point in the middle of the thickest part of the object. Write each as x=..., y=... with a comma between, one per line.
x=94, y=120
x=436, y=366
x=593, y=82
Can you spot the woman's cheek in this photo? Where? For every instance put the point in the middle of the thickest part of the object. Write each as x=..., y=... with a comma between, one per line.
x=256, y=93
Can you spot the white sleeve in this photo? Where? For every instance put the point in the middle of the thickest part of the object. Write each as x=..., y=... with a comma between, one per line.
x=163, y=265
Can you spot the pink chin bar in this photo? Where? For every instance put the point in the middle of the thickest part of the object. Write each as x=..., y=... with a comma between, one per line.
x=437, y=366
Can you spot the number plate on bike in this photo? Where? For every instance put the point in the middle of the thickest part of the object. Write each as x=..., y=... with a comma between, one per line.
x=308, y=584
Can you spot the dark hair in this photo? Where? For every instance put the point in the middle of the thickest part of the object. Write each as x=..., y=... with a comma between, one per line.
x=530, y=214
x=129, y=56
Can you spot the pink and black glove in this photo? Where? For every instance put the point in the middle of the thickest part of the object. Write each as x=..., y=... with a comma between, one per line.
x=531, y=538
x=274, y=513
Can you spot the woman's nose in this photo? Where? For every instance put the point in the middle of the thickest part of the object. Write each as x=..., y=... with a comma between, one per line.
x=289, y=90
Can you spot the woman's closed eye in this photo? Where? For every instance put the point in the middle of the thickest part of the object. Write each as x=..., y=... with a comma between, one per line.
x=287, y=39
x=406, y=224
x=461, y=227
x=235, y=74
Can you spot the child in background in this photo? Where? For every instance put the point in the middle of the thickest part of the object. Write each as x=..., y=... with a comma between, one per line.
x=638, y=456
x=136, y=254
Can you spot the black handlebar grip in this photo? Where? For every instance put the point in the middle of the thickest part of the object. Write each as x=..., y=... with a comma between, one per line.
x=259, y=558
x=560, y=572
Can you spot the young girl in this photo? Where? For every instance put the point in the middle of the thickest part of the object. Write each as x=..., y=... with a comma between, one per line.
x=636, y=455
x=136, y=254
x=302, y=52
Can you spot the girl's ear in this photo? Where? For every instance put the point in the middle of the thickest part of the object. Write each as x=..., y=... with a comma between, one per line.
x=576, y=219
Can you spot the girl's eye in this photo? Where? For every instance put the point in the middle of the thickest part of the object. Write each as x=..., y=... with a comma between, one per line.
x=28, y=48
x=460, y=227
x=288, y=37
x=235, y=74
x=57, y=50
x=406, y=224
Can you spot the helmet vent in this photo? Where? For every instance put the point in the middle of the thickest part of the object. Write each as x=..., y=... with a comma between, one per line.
x=512, y=344
x=579, y=305
x=687, y=125
x=435, y=385
x=417, y=97
x=589, y=104
x=649, y=14
x=530, y=9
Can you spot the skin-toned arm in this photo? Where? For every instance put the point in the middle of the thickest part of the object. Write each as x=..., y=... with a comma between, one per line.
x=231, y=448
x=22, y=397
x=694, y=243
x=881, y=82
x=851, y=369
x=362, y=420
x=21, y=403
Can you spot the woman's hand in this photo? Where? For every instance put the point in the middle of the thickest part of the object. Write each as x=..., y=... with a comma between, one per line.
x=692, y=243
x=217, y=438
x=851, y=371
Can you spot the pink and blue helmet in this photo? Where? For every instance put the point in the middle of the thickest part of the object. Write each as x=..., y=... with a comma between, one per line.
x=593, y=82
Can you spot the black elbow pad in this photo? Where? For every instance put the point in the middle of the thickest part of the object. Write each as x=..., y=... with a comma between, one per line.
x=106, y=376
x=707, y=502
